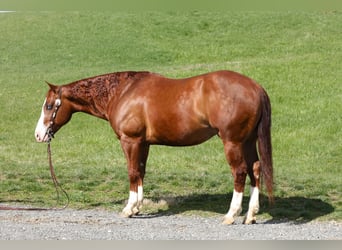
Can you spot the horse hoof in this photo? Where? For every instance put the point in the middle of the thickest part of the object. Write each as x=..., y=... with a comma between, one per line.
x=126, y=213
x=249, y=221
x=135, y=211
x=228, y=221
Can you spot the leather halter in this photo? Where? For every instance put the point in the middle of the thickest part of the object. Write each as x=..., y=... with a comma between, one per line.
x=49, y=132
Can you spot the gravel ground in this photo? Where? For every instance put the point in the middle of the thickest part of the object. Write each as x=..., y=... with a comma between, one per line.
x=102, y=225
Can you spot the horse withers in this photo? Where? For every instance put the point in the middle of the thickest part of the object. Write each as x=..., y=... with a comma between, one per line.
x=146, y=108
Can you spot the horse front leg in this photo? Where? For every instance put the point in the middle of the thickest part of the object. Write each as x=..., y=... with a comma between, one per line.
x=238, y=165
x=136, y=154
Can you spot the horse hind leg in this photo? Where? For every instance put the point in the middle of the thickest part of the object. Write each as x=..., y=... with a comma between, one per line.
x=253, y=207
x=142, y=166
x=235, y=158
x=254, y=175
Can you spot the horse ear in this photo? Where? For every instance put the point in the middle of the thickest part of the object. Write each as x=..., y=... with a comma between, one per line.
x=52, y=86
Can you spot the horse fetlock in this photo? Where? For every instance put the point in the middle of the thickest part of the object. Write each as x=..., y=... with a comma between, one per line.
x=251, y=215
x=235, y=212
x=255, y=209
x=249, y=219
x=136, y=209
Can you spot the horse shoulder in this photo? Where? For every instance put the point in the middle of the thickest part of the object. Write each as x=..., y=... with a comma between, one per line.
x=126, y=110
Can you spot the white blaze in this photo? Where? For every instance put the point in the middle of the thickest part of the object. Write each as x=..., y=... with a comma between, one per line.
x=41, y=128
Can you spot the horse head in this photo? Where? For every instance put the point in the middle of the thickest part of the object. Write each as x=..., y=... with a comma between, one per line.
x=55, y=113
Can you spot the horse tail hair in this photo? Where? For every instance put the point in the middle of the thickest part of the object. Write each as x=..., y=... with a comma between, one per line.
x=265, y=145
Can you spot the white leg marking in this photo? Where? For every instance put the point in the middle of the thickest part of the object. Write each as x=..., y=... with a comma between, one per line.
x=132, y=202
x=236, y=204
x=235, y=208
x=137, y=207
x=40, y=131
x=140, y=194
x=253, y=208
x=254, y=201
x=133, y=197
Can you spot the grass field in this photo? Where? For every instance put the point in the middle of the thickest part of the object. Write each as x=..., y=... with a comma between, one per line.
x=296, y=56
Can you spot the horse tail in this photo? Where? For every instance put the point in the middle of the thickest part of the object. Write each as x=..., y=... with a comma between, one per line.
x=265, y=144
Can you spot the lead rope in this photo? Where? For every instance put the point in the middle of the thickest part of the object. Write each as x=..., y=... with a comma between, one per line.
x=58, y=186
x=50, y=134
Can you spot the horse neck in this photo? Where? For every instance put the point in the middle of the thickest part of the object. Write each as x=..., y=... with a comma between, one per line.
x=92, y=95
x=89, y=96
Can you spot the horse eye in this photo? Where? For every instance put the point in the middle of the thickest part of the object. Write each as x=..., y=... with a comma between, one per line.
x=49, y=107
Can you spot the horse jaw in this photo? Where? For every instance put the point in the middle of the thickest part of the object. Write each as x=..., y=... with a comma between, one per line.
x=41, y=128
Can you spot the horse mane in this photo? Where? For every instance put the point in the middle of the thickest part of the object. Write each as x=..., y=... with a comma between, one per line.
x=112, y=78
x=103, y=85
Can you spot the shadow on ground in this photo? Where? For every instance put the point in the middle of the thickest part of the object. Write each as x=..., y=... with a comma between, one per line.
x=295, y=209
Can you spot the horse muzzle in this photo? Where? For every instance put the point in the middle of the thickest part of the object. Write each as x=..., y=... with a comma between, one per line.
x=41, y=137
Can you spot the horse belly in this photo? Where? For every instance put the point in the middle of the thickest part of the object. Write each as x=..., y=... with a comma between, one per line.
x=179, y=133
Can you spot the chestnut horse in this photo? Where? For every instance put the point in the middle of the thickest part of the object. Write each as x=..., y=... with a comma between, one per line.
x=145, y=108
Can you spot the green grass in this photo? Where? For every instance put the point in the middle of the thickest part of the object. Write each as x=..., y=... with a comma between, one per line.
x=296, y=56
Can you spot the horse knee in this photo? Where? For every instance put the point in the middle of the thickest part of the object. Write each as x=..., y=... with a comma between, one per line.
x=239, y=178
x=133, y=175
